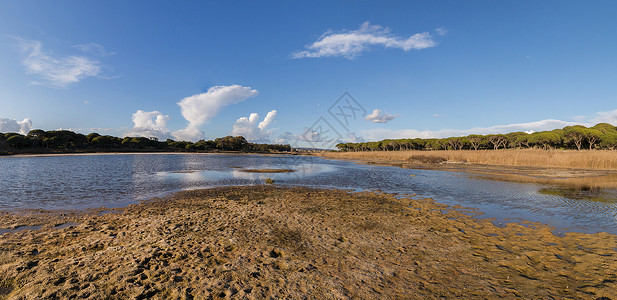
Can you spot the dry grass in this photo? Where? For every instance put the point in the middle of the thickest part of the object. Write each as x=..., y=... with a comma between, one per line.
x=585, y=159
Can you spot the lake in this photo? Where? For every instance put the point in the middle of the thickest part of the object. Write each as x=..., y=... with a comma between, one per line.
x=85, y=181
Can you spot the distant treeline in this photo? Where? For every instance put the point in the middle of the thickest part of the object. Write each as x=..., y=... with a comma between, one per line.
x=600, y=136
x=63, y=141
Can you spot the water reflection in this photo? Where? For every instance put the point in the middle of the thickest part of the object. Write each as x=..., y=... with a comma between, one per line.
x=116, y=180
x=582, y=193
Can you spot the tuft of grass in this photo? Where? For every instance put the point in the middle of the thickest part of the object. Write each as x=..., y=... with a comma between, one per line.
x=269, y=180
x=584, y=159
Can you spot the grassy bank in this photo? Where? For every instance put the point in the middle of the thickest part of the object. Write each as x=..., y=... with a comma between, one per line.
x=264, y=242
x=584, y=159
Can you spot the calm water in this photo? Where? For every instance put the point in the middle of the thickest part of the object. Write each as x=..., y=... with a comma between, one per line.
x=117, y=180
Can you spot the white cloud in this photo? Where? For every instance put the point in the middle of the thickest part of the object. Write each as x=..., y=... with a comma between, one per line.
x=287, y=138
x=199, y=109
x=311, y=136
x=94, y=49
x=441, y=31
x=249, y=129
x=605, y=117
x=54, y=70
x=352, y=137
x=8, y=125
x=99, y=129
x=188, y=134
x=379, y=116
x=149, y=124
x=315, y=139
x=352, y=43
x=267, y=120
x=380, y=134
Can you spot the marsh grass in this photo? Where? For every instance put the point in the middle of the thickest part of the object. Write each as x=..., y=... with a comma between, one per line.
x=584, y=159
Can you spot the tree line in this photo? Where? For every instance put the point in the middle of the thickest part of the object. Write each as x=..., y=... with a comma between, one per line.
x=62, y=141
x=600, y=136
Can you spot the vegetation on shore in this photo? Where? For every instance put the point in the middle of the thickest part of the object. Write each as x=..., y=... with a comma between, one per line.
x=600, y=136
x=584, y=159
x=63, y=141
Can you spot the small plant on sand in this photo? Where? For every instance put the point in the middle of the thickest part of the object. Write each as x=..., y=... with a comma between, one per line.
x=269, y=180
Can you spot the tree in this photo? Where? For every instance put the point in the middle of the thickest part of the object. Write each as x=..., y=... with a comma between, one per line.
x=17, y=141
x=514, y=140
x=92, y=136
x=136, y=142
x=608, y=139
x=575, y=134
x=592, y=136
x=231, y=143
x=547, y=139
x=523, y=140
x=64, y=139
x=36, y=134
x=36, y=137
x=457, y=143
x=475, y=140
x=106, y=141
x=497, y=140
x=3, y=143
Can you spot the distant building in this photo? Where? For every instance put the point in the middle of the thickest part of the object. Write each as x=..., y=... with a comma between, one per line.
x=153, y=138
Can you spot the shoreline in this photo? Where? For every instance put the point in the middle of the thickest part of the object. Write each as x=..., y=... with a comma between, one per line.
x=289, y=242
x=567, y=177
x=136, y=153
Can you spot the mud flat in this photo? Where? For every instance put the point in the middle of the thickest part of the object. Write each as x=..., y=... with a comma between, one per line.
x=293, y=242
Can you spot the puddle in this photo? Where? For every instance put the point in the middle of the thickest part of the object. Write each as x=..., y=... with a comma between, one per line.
x=20, y=228
x=37, y=227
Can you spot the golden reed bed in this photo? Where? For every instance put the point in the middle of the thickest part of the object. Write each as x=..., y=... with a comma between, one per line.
x=584, y=159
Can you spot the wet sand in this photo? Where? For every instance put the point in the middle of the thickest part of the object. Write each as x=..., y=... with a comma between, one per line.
x=260, y=242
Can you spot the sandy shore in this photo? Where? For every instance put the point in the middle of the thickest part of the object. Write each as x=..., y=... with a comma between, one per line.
x=282, y=242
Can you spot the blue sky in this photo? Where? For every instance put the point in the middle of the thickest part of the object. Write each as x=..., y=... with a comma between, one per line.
x=191, y=69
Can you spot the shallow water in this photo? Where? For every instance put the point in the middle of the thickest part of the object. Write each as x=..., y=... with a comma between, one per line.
x=67, y=182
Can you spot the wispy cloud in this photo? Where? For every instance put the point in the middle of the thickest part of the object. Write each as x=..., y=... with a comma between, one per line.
x=605, y=117
x=350, y=44
x=94, y=49
x=11, y=125
x=441, y=31
x=149, y=124
x=379, y=116
x=199, y=109
x=251, y=130
x=56, y=71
